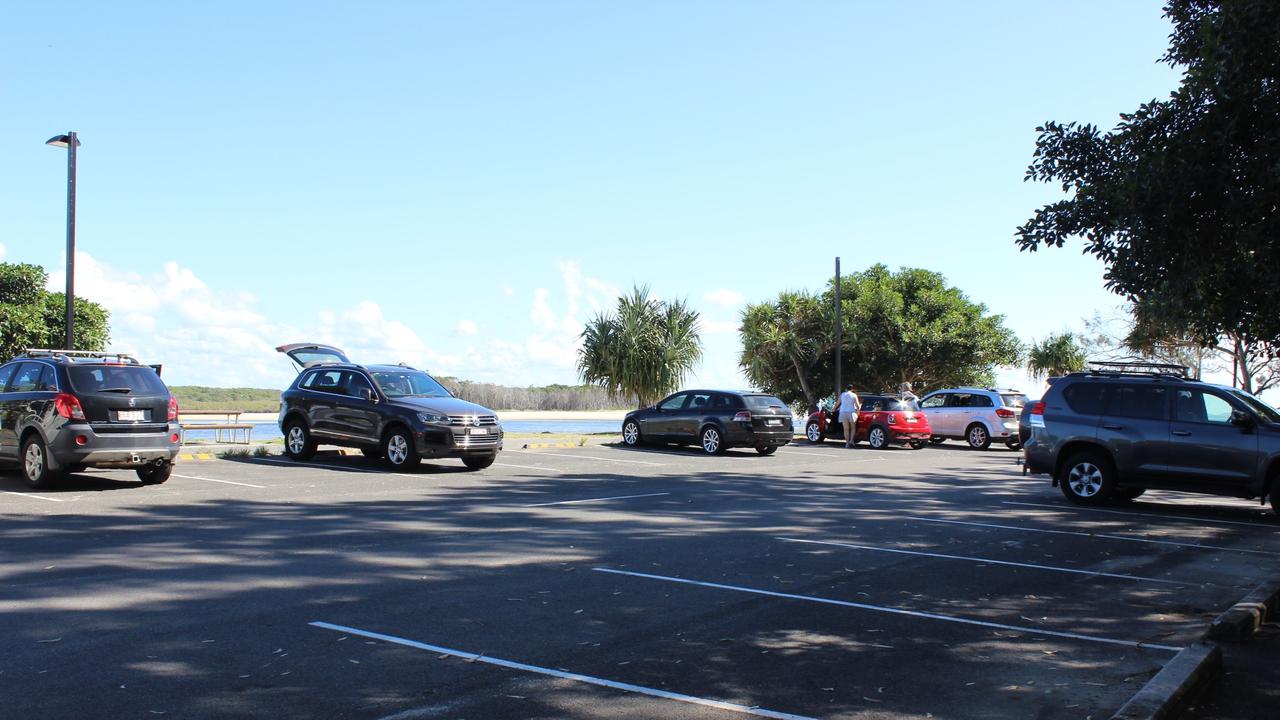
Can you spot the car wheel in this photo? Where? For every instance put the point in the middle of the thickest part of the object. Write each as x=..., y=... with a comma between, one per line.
x=398, y=449
x=813, y=432
x=298, y=444
x=1127, y=494
x=767, y=449
x=35, y=463
x=935, y=440
x=155, y=474
x=877, y=437
x=1013, y=445
x=917, y=444
x=978, y=437
x=1087, y=478
x=631, y=433
x=479, y=462
x=712, y=440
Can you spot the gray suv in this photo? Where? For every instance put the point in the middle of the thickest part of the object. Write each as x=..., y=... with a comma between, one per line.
x=64, y=411
x=1119, y=429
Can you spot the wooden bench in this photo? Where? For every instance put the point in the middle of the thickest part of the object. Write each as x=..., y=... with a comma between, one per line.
x=230, y=425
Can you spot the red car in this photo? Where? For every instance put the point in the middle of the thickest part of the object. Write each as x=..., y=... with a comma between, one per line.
x=882, y=420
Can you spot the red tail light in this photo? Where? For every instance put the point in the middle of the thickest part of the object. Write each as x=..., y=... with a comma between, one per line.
x=173, y=409
x=68, y=406
x=743, y=416
x=1037, y=408
x=1005, y=413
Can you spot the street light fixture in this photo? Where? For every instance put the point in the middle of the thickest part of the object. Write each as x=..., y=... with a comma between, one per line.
x=70, y=142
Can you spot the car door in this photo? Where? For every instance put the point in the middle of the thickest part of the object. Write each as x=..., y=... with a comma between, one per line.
x=660, y=423
x=30, y=397
x=689, y=419
x=1136, y=429
x=355, y=414
x=8, y=425
x=1205, y=446
x=932, y=406
x=954, y=414
x=322, y=391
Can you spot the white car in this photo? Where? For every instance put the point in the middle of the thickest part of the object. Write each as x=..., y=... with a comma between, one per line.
x=976, y=415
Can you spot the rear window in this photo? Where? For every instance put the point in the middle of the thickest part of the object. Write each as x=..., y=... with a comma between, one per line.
x=1086, y=398
x=764, y=402
x=1014, y=401
x=124, y=379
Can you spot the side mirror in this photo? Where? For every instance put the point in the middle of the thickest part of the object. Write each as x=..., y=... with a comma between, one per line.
x=367, y=394
x=1241, y=419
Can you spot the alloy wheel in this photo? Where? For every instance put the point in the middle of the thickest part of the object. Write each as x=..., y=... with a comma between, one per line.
x=630, y=433
x=34, y=460
x=296, y=440
x=397, y=449
x=711, y=441
x=813, y=432
x=1085, y=479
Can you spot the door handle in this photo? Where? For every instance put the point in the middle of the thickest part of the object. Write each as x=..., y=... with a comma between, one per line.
x=1181, y=433
x=1112, y=427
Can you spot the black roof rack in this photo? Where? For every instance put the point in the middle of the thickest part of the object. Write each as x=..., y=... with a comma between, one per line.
x=1146, y=369
x=74, y=355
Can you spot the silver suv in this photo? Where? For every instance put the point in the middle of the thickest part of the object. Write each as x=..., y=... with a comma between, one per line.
x=976, y=415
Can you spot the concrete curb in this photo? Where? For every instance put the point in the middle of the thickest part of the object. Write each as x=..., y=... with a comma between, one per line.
x=1245, y=617
x=1169, y=692
x=547, y=446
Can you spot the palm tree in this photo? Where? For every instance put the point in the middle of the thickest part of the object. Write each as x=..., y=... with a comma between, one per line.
x=644, y=350
x=791, y=332
x=1055, y=355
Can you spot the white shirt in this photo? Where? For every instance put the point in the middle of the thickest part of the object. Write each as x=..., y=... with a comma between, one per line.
x=848, y=403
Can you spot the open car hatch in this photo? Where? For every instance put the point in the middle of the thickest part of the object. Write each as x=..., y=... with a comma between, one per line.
x=306, y=355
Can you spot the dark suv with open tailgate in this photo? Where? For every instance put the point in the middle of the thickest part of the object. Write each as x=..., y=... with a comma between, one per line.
x=63, y=411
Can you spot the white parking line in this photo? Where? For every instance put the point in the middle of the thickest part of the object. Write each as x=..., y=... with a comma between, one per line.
x=227, y=482
x=1157, y=514
x=896, y=611
x=587, y=457
x=513, y=665
x=1093, y=535
x=527, y=467
x=984, y=561
x=591, y=500
x=37, y=497
x=308, y=464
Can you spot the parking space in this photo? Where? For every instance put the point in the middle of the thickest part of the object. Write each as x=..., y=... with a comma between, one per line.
x=819, y=582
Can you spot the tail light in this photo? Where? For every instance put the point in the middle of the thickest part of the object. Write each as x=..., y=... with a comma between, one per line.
x=893, y=419
x=1005, y=413
x=743, y=416
x=1037, y=408
x=68, y=406
x=173, y=409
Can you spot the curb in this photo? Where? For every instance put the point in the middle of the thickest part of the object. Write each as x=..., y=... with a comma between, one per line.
x=1169, y=692
x=1245, y=617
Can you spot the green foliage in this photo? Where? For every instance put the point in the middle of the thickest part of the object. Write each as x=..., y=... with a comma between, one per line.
x=196, y=397
x=1054, y=356
x=907, y=326
x=30, y=316
x=644, y=350
x=1179, y=200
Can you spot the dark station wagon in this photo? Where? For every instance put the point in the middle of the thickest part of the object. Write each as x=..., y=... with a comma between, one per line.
x=715, y=419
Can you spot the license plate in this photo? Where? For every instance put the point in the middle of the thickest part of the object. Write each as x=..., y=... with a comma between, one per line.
x=773, y=422
x=131, y=415
x=477, y=431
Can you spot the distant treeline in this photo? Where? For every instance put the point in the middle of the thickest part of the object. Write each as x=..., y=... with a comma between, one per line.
x=497, y=397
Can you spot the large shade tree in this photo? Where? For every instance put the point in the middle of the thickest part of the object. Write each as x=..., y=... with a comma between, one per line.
x=32, y=317
x=1180, y=200
x=904, y=326
x=643, y=350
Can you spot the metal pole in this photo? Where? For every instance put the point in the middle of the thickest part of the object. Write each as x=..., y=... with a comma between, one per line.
x=838, y=338
x=71, y=239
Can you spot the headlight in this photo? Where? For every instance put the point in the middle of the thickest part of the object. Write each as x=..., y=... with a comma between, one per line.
x=432, y=418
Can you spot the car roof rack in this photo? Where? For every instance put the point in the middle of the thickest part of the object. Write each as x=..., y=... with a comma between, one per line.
x=73, y=355
x=1133, y=367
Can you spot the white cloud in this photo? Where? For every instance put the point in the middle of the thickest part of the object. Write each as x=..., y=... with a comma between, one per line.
x=541, y=313
x=3, y=251
x=725, y=298
x=467, y=327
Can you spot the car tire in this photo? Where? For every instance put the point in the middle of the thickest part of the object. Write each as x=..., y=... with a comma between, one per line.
x=878, y=437
x=298, y=444
x=34, y=463
x=977, y=436
x=1087, y=478
x=936, y=440
x=813, y=431
x=767, y=449
x=398, y=450
x=631, y=434
x=1013, y=445
x=917, y=444
x=712, y=440
x=479, y=462
x=155, y=474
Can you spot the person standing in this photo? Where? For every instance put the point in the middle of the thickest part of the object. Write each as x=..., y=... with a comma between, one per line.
x=848, y=413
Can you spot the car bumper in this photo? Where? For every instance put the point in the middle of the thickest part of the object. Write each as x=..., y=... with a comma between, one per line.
x=749, y=437
x=112, y=449
x=909, y=435
x=456, y=442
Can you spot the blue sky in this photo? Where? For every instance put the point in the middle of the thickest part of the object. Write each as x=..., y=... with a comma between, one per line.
x=461, y=186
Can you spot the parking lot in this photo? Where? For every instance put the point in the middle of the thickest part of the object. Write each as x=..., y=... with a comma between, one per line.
x=605, y=581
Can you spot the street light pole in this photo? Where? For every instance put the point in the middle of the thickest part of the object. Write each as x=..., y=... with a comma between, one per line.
x=70, y=142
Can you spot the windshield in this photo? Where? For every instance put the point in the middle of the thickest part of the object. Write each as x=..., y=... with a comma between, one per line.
x=408, y=383
x=1264, y=411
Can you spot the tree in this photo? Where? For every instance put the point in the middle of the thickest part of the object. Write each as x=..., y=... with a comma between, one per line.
x=1056, y=355
x=1179, y=200
x=644, y=350
x=30, y=316
x=907, y=326
x=784, y=341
